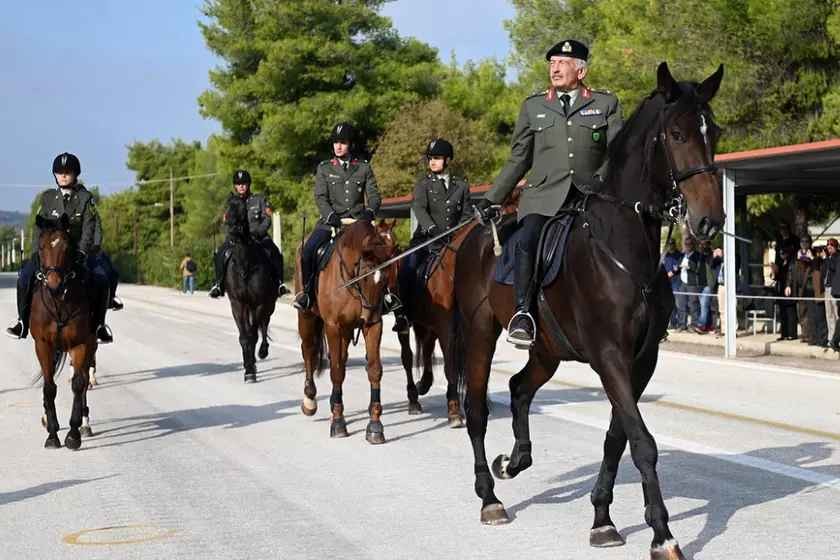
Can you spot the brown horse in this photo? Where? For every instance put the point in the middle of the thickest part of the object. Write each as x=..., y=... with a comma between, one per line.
x=339, y=311
x=610, y=304
x=61, y=323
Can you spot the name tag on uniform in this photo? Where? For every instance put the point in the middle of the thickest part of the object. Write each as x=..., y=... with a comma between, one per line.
x=590, y=112
x=334, y=176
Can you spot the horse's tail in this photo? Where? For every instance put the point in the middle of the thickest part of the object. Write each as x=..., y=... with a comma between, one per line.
x=456, y=357
x=60, y=360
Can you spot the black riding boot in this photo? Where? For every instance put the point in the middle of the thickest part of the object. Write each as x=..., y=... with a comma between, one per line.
x=219, y=260
x=276, y=259
x=522, y=328
x=20, y=329
x=306, y=298
x=101, y=299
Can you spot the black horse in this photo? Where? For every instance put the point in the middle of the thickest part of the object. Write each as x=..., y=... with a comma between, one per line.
x=251, y=288
x=611, y=302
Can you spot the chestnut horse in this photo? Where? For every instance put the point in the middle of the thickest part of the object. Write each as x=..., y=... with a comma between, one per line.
x=339, y=311
x=610, y=304
x=61, y=323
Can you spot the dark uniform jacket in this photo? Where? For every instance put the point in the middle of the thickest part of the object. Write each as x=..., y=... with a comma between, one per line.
x=259, y=214
x=345, y=193
x=85, y=226
x=436, y=205
x=558, y=150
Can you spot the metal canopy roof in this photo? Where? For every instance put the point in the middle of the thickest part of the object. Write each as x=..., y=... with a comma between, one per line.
x=811, y=168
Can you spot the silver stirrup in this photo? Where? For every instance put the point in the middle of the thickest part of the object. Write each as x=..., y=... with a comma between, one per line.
x=519, y=343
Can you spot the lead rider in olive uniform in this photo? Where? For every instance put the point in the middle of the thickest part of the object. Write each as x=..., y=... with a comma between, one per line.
x=344, y=188
x=72, y=199
x=561, y=136
x=259, y=222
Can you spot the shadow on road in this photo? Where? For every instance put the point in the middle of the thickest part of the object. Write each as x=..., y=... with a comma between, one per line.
x=153, y=426
x=199, y=369
x=726, y=487
x=46, y=488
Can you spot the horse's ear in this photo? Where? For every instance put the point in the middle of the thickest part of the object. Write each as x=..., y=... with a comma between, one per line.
x=393, y=223
x=665, y=82
x=707, y=90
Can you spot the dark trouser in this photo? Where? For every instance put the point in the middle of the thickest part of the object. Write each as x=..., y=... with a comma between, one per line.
x=275, y=257
x=819, y=328
x=319, y=237
x=526, y=249
x=24, y=288
x=677, y=318
x=101, y=266
x=787, y=310
x=409, y=284
x=691, y=305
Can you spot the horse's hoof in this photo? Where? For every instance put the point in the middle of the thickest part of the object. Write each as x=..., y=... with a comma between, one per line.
x=414, y=408
x=456, y=422
x=263, y=353
x=425, y=384
x=669, y=550
x=605, y=537
x=52, y=442
x=73, y=441
x=500, y=467
x=375, y=433
x=85, y=431
x=309, y=406
x=250, y=378
x=494, y=514
x=338, y=428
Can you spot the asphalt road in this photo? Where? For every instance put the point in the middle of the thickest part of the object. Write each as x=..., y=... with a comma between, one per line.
x=188, y=462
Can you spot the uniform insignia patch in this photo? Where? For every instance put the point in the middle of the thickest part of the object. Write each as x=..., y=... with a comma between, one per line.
x=567, y=47
x=596, y=136
x=541, y=116
x=591, y=112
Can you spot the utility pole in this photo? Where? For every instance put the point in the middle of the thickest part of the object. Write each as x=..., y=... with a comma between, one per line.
x=22, y=248
x=171, y=209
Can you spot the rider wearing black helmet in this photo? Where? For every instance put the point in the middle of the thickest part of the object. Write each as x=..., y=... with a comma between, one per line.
x=259, y=221
x=440, y=200
x=344, y=188
x=72, y=199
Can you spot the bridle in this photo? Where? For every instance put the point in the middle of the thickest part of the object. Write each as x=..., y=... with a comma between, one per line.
x=355, y=289
x=57, y=296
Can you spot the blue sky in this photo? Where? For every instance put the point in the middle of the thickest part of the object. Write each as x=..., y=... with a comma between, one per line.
x=93, y=76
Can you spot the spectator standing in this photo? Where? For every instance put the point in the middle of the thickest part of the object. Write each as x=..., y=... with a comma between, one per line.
x=784, y=271
x=816, y=309
x=188, y=269
x=802, y=284
x=829, y=266
x=671, y=264
x=706, y=320
x=693, y=278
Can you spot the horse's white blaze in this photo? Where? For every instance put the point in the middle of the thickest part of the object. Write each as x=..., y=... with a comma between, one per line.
x=55, y=242
x=704, y=129
x=377, y=276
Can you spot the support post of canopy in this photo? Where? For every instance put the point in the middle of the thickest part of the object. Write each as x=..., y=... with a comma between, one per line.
x=277, y=231
x=729, y=264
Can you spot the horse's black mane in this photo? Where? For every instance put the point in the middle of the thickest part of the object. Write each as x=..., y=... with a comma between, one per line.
x=237, y=215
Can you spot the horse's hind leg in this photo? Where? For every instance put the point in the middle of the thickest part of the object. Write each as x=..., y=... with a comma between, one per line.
x=46, y=358
x=523, y=387
x=617, y=382
x=80, y=384
x=311, y=330
x=407, y=358
x=263, y=353
x=92, y=372
x=86, y=430
x=375, y=433
x=453, y=400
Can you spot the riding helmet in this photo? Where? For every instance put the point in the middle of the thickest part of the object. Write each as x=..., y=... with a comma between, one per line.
x=570, y=48
x=241, y=177
x=440, y=147
x=343, y=132
x=67, y=163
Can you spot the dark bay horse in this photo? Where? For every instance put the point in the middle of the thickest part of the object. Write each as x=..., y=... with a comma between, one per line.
x=611, y=299
x=61, y=323
x=339, y=312
x=250, y=286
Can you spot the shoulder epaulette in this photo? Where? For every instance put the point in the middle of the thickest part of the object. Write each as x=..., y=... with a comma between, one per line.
x=604, y=91
x=538, y=94
x=325, y=162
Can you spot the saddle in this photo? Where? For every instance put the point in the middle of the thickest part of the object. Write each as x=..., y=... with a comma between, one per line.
x=323, y=254
x=551, y=248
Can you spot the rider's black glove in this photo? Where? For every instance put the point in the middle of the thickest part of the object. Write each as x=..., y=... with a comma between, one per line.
x=433, y=231
x=486, y=211
x=334, y=220
x=365, y=215
x=81, y=258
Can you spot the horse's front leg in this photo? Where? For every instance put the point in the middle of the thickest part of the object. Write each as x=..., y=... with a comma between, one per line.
x=407, y=358
x=80, y=382
x=337, y=343
x=46, y=358
x=243, y=324
x=375, y=433
x=426, y=350
x=523, y=387
x=453, y=400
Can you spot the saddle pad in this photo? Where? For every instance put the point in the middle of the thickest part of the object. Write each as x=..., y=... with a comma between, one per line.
x=324, y=253
x=555, y=236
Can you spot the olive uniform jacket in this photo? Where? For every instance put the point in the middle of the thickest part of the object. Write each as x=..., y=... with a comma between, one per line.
x=259, y=214
x=345, y=192
x=436, y=205
x=559, y=150
x=85, y=226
